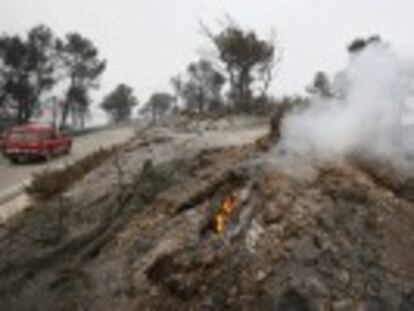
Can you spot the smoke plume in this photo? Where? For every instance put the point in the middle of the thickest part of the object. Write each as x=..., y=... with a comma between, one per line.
x=368, y=115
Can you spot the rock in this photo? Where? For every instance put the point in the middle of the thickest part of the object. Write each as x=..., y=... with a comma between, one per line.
x=344, y=277
x=272, y=213
x=343, y=305
x=244, y=195
x=293, y=300
x=253, y=235
x=260, y=276
x=305, y=249
x=317, y=287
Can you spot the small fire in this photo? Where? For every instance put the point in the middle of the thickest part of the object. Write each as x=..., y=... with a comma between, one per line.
x=226, y=209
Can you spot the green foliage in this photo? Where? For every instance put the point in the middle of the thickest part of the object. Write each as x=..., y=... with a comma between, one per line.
x=202, y=91
x=83, y=68
x=158, y=105
x=247, y=58
x=49, y=184
x=242, y=49
x=359, y=44
x=119, y=103
x=27, y=70
x=321, y=85
x=31, y=66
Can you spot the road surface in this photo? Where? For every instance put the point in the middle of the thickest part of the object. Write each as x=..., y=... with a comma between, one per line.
x=12, y=176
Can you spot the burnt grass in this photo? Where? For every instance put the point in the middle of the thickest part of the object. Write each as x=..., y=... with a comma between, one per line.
x=51, y=183
x=340, y=242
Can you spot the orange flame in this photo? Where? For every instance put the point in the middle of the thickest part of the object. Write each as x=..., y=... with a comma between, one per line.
x=226, y=209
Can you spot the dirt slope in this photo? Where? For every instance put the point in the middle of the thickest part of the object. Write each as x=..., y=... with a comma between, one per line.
x=145, y=238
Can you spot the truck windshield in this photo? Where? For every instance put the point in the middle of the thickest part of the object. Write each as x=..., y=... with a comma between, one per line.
x=24, y=136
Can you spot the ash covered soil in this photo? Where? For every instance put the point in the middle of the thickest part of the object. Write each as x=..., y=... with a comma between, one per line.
x=139, y=233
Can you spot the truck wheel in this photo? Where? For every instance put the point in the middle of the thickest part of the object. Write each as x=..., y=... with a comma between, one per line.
x=48, y=156
x=67, y=150
x=14, y=160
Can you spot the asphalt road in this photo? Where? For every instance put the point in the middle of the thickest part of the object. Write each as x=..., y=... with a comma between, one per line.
x=13, y=175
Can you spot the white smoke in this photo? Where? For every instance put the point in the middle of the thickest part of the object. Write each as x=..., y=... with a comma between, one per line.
x=367, y=116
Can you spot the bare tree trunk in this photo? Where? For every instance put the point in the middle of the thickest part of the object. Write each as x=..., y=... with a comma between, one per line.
x=201, y=101
x=154, y=115
x=244, y=88
x=20, y=113
x=65, y=113
x=233, y=88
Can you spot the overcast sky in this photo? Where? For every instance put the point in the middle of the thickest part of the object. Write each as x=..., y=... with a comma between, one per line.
x=146, y=42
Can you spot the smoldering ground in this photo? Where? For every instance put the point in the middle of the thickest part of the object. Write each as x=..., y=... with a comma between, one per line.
x=368, y=116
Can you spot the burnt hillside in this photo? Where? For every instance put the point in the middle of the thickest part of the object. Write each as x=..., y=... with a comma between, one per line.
x=211, y=228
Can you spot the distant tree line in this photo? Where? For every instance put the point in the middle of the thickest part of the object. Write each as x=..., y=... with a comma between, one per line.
x=119, y=103
x=234, y=79
x=237, y=76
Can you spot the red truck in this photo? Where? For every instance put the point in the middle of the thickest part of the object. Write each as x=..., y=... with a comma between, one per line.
x=33, y=141
x=1, y=141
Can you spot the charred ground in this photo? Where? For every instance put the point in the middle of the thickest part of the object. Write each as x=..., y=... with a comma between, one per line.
x=138, y=234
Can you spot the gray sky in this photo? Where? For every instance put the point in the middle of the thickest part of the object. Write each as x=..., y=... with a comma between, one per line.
x=146, y=42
